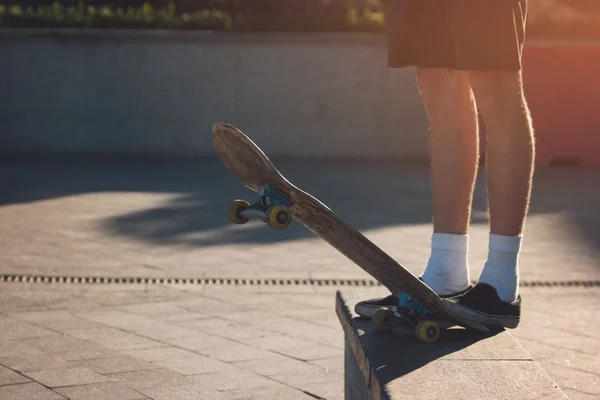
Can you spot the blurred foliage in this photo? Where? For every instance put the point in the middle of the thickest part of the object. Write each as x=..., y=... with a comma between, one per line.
x=546, y=18
x=82, y=15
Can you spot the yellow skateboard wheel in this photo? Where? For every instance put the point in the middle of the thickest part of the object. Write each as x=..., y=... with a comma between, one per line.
x=234, y=211
x=379, y=319
x=278, y=216
x=427, y=331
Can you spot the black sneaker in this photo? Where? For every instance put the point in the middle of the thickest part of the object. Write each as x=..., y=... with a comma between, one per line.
x=483, y=305
x=367, y=308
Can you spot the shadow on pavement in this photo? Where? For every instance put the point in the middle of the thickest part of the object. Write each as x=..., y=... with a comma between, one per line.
x=365, y=196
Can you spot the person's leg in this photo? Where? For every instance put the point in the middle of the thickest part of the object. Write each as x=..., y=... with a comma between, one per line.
x=509, y=170
x=494, y=66
x=486, y=40
x=454, y=154
x=419, y=35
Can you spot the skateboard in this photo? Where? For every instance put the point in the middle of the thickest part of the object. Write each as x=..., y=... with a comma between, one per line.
x=279, y=202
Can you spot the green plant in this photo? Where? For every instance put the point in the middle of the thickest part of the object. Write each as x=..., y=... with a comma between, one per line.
x=548, y=18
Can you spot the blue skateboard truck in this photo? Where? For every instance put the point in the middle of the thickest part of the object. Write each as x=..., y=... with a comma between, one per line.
x=411, y=313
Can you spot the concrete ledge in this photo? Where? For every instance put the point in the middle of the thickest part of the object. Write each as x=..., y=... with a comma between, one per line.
x=394, y=365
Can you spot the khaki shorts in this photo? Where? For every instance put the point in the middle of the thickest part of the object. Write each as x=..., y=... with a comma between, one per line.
x=457, y=34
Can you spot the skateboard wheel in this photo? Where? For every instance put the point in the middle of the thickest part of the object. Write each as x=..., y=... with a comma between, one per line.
x=427, y=331
x=278, y=216
x=379, y=318
x=235, y=210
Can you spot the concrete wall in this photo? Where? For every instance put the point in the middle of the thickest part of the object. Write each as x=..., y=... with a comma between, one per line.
x=303, y=95
x=121, y=92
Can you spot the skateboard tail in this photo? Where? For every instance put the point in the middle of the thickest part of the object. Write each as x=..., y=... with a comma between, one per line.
x=244, y=159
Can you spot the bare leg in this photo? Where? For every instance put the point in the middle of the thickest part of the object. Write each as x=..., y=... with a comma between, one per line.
x=454, y=153
x=453, y=144
x=510, y=148
x=510, y=165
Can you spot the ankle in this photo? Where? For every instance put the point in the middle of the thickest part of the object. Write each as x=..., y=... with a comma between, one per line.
x=447, y=270
x=501, y=270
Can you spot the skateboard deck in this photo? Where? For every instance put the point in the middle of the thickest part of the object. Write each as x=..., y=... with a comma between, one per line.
x=279, y=200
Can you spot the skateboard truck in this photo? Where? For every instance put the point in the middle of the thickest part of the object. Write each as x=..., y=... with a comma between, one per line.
x=272, y=207
x=410, y=312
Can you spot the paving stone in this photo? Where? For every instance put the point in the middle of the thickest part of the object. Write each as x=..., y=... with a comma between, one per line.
x=314, y=352
x=567, y=378
x=200, y=341
x=278, y=364
x=335, y=364
x=11, y=329
x=70, y=324
x=295, y=347
x=85, y=354
x=9, y=377
x=117, y=319
x=257, y=301
x=292, y=327
x=320, y=301
x=230, y=379
x=305, y=330
x=235, y=352
x=56, y=320
x=207, y=306
x=153, y=309
x=101, y=391
x=561, y=317
x=562, y=357
x=192, y=365
x=238, y=332
x=66, y=377
x=325, y=317
x=28, y=391
x=17, y=349
x=273, y=390
x=68, y=348
x=158, y=354
x=212, y=324
x=308, y=375
x=150, y=378
x=577, y=395
x=141, y=325
x=279, y=341
x=114, y=339
x=322, y=383
x=163, y=331
x=169, y=312
x=251, y=317
x=33, y=363
x=114, y=365
x=562, y=339
x=183, y=392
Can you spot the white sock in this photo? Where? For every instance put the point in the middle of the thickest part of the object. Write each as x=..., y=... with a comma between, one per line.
x=447, y=271
x=501, y=270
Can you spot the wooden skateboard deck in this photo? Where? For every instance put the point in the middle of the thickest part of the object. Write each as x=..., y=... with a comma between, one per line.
x=247, y=162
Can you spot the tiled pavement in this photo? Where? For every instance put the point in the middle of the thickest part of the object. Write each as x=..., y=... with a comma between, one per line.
x=176, y=342
x=205, y=341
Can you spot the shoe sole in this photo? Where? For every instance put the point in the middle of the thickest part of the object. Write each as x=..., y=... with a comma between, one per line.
x=487, y=320
x=480, y=318
x=369, y=311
